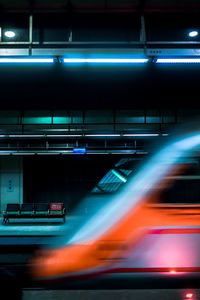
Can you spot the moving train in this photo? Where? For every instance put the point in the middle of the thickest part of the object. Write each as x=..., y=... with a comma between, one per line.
x=133, y=232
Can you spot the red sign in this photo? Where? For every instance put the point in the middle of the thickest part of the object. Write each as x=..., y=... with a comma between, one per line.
x=56, y=206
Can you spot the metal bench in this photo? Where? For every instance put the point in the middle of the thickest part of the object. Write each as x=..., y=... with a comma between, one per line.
x=37, y=210
x=12, y=211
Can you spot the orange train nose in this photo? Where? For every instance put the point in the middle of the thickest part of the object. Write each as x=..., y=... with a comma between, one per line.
x=65, y=260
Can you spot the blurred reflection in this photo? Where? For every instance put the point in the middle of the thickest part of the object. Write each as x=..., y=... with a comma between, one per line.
x=130, y=232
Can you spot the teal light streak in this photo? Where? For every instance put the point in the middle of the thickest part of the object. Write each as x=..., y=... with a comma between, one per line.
x=119, y=176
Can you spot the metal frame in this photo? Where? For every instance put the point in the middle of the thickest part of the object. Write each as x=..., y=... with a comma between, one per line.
x=142, y=43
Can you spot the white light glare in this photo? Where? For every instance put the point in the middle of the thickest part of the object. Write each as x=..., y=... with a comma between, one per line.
x=177, y=60
x=63, y=135
x=26, y=60
x=26, y=135
x=141, y=134
x=193, y=33
x=102, y=135
x=106, y=60
x=9, y=34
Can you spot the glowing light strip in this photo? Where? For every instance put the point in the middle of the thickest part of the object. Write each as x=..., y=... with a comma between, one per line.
x=48, y=153
x=23, y=153
x=141, y=134
x=63, y=135
x=177, y=60
x=119, y=176
x=26, y=60
x=26, y=135
x=106, y=60
x=102, y=135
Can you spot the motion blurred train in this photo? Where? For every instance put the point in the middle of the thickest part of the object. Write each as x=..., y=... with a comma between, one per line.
x=133, y=232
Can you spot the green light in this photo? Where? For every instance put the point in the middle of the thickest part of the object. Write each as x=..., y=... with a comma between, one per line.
x=119, y=175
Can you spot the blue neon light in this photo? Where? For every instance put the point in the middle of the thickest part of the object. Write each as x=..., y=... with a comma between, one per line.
x=79, y=150
x=26, y=60
x=106, y=60
x=171, y=60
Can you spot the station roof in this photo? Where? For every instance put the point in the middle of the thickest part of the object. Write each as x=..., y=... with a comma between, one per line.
x=101, y=4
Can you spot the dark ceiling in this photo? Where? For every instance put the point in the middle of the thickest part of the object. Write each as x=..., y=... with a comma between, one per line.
x=150, y=5
x=59, y=87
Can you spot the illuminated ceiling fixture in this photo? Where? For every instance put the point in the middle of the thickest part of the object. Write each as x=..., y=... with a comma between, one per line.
x=26, y=60
x=140, y=134
x=118, y=175
x=106, y=60
x=193, y=33
x=177, y=60
x=9, y=34
x=102, y=135
x=79, y=150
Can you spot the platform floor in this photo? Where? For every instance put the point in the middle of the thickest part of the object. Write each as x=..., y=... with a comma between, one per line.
x=33, y=228
x=150, y=294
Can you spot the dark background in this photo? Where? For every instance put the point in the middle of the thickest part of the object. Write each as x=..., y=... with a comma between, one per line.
x=59, y=87
x=66, y=179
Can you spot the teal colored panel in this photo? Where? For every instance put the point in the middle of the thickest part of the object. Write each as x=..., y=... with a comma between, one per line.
x=68, y=117
x=152, y=116
x=37, y=117
x=98, y=116
x=62, y=117
x=9, y=117
x=130, y=116
x=77, y=116
x=168, y=116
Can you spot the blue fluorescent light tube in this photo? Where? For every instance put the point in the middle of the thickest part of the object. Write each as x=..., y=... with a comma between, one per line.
x=177, y=60
x=106, y=60
x=79, y=150
x=141, y=134
x=26, y=60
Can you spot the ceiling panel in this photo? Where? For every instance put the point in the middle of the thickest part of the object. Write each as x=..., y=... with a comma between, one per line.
x=99, y=4
x=123, y=4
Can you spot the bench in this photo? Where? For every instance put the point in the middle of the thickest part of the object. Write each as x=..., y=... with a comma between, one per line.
x=31, y=210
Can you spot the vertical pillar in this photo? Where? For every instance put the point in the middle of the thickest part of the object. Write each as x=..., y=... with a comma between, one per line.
x=11, y=180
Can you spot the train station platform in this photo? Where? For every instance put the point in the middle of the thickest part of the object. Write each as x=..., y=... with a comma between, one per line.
x=39, y=227
x=131, y=294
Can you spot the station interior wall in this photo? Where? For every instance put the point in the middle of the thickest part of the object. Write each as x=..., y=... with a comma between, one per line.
x=11, y=180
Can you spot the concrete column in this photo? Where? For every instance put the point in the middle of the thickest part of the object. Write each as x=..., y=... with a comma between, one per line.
x=11, y=180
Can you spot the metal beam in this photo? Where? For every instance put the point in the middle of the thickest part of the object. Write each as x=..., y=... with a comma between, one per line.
x=136, y=52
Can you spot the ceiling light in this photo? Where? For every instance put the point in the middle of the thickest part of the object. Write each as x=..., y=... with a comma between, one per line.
x=23, y=153
x=79, y=150
x=26, y=135
x=9, y=34
x=26, y=60
x=102, y=135
x=106, y=60
x=141, y=134
x=177, y=60
x=48, y=153
x=193, y=33
x=63, y=135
